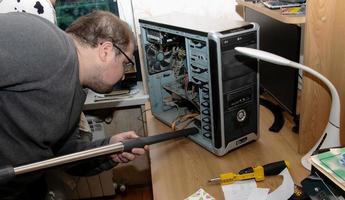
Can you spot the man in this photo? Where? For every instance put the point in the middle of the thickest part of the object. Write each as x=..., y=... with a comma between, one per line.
x=43, y=75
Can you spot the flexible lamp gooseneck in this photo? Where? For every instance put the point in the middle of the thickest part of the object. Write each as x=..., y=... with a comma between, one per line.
x=330, y=136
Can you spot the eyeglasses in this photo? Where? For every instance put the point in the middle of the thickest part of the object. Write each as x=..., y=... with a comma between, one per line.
x=131, y=62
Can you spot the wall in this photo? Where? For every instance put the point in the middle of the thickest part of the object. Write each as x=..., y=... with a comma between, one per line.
x=145, y=8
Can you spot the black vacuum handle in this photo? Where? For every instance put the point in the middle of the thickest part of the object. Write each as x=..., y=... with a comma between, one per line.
x=142, y=141
x=6, y=174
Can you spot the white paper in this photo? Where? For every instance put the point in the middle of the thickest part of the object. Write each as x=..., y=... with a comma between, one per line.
x=240, y=190
x=259, y=194
x=285, y=190
x=201, y=194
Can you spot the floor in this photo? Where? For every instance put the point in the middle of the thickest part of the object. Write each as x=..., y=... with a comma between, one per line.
x=142, y=193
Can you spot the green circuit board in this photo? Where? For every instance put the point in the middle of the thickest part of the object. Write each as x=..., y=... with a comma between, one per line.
x=69, y=10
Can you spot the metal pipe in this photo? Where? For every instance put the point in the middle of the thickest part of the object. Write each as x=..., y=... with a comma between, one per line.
x=8, y=173
x=108, y=149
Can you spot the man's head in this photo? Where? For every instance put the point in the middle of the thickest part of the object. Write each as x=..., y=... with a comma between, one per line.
x=105, y=45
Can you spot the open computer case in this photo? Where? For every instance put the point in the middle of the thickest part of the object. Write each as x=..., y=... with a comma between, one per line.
x=196, y=79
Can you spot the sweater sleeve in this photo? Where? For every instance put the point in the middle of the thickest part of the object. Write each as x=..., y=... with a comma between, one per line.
x=88, y=167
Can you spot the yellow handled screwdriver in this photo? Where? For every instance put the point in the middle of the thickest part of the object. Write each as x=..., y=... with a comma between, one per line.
x=258, y=173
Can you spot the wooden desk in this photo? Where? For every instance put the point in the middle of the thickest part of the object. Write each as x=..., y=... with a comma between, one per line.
x=180, y=167
x=259, y=7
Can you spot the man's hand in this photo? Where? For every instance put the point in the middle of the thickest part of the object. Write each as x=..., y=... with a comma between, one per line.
x=125, y=156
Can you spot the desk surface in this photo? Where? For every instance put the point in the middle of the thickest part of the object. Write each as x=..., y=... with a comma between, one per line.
x=133, y=100
x=276, y=14
x=180, y=167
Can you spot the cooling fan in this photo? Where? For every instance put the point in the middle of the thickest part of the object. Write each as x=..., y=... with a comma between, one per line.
x=158, y=58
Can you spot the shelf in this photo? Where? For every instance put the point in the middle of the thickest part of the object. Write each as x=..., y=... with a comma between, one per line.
x=275, y=14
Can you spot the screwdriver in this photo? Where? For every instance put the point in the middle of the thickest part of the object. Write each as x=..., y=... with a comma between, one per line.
x=258, y=173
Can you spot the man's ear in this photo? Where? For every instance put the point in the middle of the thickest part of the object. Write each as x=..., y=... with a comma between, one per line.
x=105, y=51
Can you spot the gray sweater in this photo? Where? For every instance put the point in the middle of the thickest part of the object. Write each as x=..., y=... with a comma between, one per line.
x=40, y=93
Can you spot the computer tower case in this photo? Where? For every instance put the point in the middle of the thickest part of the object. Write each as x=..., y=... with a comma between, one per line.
x=195, y=77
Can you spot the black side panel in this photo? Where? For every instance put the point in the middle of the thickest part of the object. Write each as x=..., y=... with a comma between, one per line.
x=215, y=93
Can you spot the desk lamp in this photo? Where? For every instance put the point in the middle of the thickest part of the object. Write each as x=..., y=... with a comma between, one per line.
x=330, y=136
